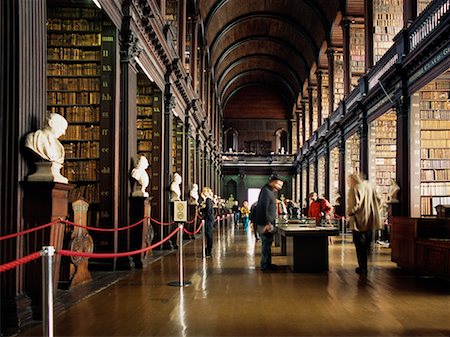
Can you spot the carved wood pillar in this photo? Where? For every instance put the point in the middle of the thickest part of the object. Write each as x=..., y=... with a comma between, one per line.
x=327, y=170
x=363, y=131
x=345, y=23
x=319, y=98
x=342, y=173
x=330, y=56
x=23, y=99
x=311, y=110
x=368, y=34
x=303, y=121
x=409, y=11
x=402, y=106
x=194, y=54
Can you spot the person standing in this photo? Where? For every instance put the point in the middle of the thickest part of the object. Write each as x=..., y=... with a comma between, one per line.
x=235, y=210
x=363, y=210
x=264, y=219
x=319, y=208
x=252, y=222
x=245, y=211
x=208, y=216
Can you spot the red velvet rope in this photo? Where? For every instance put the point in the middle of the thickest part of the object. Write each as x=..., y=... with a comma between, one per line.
x=193, y=233
x=18, y=262
x=162, y=223
x=105, y=229
x=10, y=236
x=115, y=255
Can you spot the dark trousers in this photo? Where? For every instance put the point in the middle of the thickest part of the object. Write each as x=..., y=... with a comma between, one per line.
x=266, y=250
x=362, y=242
x=209, y=236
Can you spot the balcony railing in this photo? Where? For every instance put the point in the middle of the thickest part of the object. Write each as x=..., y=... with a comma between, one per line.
x=246, y=158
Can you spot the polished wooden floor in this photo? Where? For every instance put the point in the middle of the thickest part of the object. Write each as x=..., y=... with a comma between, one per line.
x=230, y=296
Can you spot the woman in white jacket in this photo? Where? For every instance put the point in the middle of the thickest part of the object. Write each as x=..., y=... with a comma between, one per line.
x=363, y=209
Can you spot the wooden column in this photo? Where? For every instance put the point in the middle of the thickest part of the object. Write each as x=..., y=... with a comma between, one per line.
x=409, y=11
x=330, y=56
x=303, y=121
x=363, y=144
x=368, y=33
x=127, y=125
x=342, y=173
x=23, y=57
x=403, y=154
x=311, y=110
x=327, y=170
x=316, y=172
x=194, y=53
x=319, y=98
x=345, y=23
x=167, y=158
x=182, y=29
x=187, y=153
x=298, y=117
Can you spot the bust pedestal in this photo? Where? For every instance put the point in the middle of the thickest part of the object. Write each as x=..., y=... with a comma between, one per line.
x=140, y=236
x=43, y=202
x=48, y=171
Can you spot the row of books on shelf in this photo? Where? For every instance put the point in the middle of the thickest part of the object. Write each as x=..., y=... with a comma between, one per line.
x=428, y=204
x=385, y=161
x=82, y=132
x=435, y=188
x=144, y=134
x=74, y=98
x=444, y=105
x=88, y=192
x=392, y=148
x=72, y=54
x=435, y=175
x=73, y=12
x=85, y=150
x=145, y=90
x=436, y=85
x=435, y=124
x=443, y=143
x=385, y=154
x=78, y=40
x=435, y=153
x=144, y=123
x=143, y=111
x=435, y=164
x=385, y=171
x=435, y=134
x=145, y=145
x=63, y=69
x=73, y=25
x=140, y=99
x=382, y=187
x=81, y=170
x=435, y=95
x=385, y=141
x=78, y=114
x=70, y=83
x=435, y=114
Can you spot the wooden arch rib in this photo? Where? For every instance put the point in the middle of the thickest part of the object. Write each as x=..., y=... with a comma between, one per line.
x=263, y=84
x=279, y=61
x=278, y=79
x=218, y=5
x=262, y=38
x=264, y=15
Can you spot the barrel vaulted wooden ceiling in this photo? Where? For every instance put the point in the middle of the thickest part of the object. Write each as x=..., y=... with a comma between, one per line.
x=271, y=43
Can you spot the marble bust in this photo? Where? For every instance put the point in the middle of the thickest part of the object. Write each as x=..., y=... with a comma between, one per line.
x=193, y=195
x=140, y=174
x=175, y=190
x=45, y=144
x=393, y=191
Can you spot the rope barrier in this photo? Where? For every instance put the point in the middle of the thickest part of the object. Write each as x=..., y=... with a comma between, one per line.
x=193, y=233
x=162, y=223
x=115, y=255
x=18, y=262
x=10, y=236
x=105, y=229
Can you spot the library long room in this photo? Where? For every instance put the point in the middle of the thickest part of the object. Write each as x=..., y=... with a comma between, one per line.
x=164, y=163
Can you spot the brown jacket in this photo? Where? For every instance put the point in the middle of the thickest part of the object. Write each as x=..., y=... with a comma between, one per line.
x=363, y=207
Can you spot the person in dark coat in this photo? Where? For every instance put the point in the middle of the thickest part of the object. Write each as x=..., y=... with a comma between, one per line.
x=208, y=216
x=264, y=219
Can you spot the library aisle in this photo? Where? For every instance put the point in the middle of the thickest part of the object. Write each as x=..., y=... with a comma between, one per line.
x=230, y=296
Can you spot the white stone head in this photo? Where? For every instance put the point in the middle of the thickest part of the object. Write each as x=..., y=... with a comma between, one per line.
x=57, y=124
